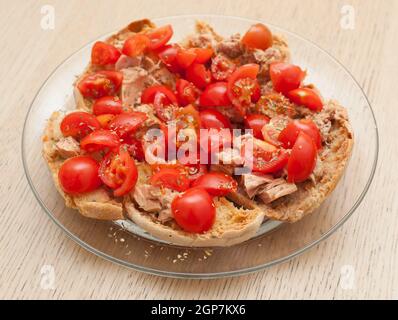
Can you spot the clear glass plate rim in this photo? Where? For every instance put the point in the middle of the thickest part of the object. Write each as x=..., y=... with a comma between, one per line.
x=218, y=274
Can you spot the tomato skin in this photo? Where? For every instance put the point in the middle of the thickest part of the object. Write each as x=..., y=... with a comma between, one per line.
x=286, y=77
x=198, y=75
x=79, y=124
x=258, y=37
x=100, y=84
x=215, y=95
x=168, y=55
x=203, y=55
x=170, y=178
x=185, y=57
x=103, y=54
x=196, y=171
x=302, y=159
x=79, y=175
x=222, y=67
x=107, y=105
x=216, y=183
x=256, y=122
x=148, y=95
x=99, y=140
x=187, y=93
x=306, y=97
x=119, y=172
x=194, y=210
x=127, y=122
x=289, y=135
x=136, y=45
x=213, y=119
x=160, y=36
x=242, y=84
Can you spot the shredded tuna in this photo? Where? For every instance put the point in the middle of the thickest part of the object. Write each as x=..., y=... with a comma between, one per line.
x=67, y=147
x=253, y=182
x=134, y=82
x=276, y=189
x=231, y=47
x=125, y=62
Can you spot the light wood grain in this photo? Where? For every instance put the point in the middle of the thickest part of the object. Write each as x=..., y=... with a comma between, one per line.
x=29, y=240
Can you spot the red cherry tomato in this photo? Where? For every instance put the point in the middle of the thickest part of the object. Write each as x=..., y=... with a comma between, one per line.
x=215, y=95
x=258, y=37
x=289, y=135
x=265, y=158
x=213, y=119
x=119, y=172
x=203, y=55
x=216, y=184
x=194, y=210
x=196, y=171
x=187, y=93
x=185, y=57
x=103, y=54
x=256, y=122
x=163, y=109
x=168, y=55
x=198, y=75
x=222, y=67
x=243, y=86
x=100, y=84
x=136, y=45
x=79, y=124
x=127, y=122
x=272, y=130
x=148, y=95
x=285, y=76
x=107, y=105
x=105, y=120
x=134, y=146
x=302, y=159
x=99, y=140
x=159, y=37
x=306, y=97
x=79, y=175
x=170, y=178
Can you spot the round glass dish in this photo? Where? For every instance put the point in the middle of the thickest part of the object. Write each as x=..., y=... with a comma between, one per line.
x=274, y=245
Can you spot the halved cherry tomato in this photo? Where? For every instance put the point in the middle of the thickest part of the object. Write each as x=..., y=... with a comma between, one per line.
x=198, y=75
x=306, y=97
x=119, y=172
x=215, y=95
x=160, y=36
x=168, y=55
x=203, y=55
x=289, y=135
x=194, y=210
x=135, y=147
x=286, y=77
x=170, y=178
x=163, y=109
x=99, y=140
x=107, y=105
x=105, y=119
x=216, y=183
x=100, y=84
x=136, y=45
x=243, y=86
x=185, y=57
x=148, y=95
x=258, y=37
x=222, y=67
x=213, y=119
x=79, y=124
x=127, y=122
x=187, y=93
x=265, y=158
x=103, y=54
x=272, y=130
x=79, y=175
x=256, y=122
x=302, y=159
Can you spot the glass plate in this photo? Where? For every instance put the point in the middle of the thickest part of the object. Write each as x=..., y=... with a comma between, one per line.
x=276, y=242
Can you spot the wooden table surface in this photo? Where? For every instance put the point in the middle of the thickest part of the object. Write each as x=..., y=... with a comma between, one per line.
x=359, y=261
